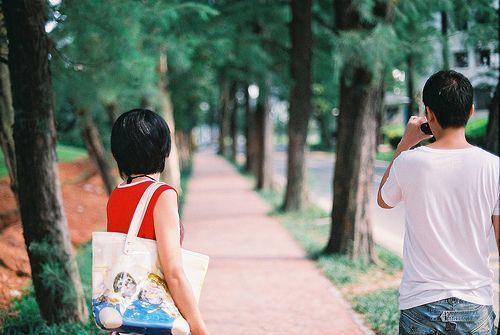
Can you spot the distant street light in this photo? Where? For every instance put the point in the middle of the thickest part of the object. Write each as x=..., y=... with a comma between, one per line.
x=253, y=91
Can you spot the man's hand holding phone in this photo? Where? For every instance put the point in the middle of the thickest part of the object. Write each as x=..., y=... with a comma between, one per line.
x=414, y=133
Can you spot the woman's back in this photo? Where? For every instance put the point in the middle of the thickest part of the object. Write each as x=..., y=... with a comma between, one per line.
x=122, y=203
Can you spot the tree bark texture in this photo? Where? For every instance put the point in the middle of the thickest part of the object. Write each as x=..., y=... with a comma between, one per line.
x=325, y=131
x=351, y=232
x=300, y=103
x=185, y=146
x=445, y=51
x=112, y=111
x=380, y=112
x=411, y=88
x=233, y=126
x=250, y=136
x=95, y=148
x=55, y=275
x=223, y=114
x=6, y=112
x=172, y=173
x=264, y=139
x=492, y=137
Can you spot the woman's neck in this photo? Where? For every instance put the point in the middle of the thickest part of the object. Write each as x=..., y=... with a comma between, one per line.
x=142, y=176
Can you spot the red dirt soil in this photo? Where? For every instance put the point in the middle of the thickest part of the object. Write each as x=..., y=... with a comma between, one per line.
x=84, y=199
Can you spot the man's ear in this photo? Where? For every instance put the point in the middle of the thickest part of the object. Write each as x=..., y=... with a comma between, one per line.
x=430, y=114
x=472, y=111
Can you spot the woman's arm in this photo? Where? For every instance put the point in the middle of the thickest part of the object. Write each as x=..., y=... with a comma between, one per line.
x=166, y=224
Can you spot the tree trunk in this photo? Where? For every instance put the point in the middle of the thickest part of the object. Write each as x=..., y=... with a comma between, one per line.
x=492, y=137
x=112, y=111
x=250, y=136
x=411, y=90
x=183, y=140
x=445, y=51
x=233, y=127
x=325, y=132
x=351, y=232
x=264, y=139
x=223, y=114
x=6, y=112
x=380, y=112
x=300, y=103
x=172, y=173
x=95, y=148
x=54, y=272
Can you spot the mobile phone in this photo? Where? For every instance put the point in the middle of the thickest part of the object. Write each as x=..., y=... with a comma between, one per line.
x=425, y=128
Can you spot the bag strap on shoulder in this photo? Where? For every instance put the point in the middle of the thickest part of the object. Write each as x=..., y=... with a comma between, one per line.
x=138, y=216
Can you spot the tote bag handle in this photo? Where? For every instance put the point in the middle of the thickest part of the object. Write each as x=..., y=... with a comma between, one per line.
x=139, y=213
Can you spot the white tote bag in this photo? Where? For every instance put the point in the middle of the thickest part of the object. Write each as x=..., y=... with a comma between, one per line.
x=130, y=294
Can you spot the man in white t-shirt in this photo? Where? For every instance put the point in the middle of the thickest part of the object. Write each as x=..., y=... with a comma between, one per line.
x=451, y=193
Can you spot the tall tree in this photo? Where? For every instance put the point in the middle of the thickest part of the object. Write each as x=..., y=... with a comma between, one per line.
x=411, y=86
x=223, y=117
x=492, y=132
x=6, y=110
x=172, y=172
x=55, y=275
x=300, y=102
x=95, y=148
x=351, y=231
x=233, y=120
x=251, y=145
x=264, y=139
x=445, y=48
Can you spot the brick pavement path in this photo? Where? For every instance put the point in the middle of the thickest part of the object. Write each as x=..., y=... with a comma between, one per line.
x=259, y=280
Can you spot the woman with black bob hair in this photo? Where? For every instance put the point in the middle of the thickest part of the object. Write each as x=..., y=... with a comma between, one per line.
x=140, y=143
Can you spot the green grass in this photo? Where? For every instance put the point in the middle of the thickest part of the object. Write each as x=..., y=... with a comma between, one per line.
x=385, y=156
x=380, y=309
x=65, y=153
x=340, y=269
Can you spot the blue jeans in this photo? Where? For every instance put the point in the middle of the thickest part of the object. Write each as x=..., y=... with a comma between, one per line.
x=447, y=317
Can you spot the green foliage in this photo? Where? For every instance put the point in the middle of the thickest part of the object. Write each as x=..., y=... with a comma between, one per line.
x=475, y=132
x=380, y=309
x=393, y=134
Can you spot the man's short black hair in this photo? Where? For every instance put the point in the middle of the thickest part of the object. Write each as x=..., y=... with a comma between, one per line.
x=140, y=142
x=449, y=95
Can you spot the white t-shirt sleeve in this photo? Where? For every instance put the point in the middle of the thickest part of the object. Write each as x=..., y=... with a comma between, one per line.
x=391, y=191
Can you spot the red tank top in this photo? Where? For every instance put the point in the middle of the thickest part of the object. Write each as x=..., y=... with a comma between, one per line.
x=122, y=203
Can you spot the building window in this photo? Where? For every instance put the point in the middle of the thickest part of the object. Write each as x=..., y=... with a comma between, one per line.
x=461, y=59
x=483, y=57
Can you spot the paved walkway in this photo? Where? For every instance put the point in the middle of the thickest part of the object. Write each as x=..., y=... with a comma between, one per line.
x=259, y=280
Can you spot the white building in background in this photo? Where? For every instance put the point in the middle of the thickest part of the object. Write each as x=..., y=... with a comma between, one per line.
x=479, y=64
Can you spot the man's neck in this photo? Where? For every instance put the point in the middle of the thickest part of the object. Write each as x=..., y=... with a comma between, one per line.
x=450, y=138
